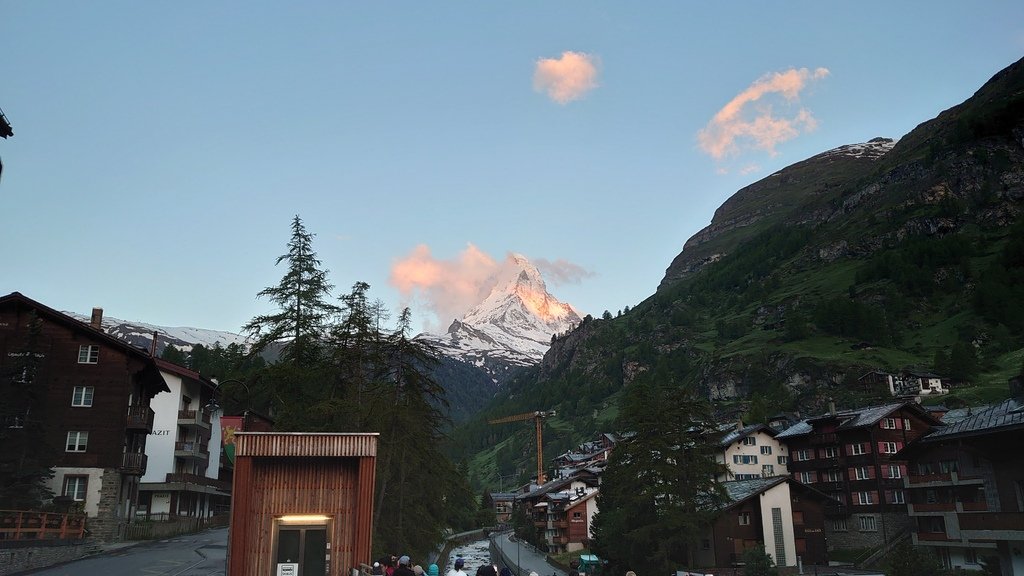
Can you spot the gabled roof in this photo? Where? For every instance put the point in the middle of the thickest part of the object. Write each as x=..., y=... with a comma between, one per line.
x=856, y=418
x=183, y=372
x=76, y=325
x=740, y=491
x=1005, y=416
x=735, y=435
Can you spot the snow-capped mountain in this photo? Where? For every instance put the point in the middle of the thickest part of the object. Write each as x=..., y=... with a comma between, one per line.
x=183, y=338
x=512, y=326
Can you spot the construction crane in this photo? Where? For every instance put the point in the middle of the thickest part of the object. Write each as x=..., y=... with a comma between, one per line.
x=5, y=133
x=538, y=419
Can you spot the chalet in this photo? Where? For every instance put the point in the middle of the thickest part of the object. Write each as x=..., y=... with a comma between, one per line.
x=784, y=516
x=908, y=382
x=97, y=416
x=848, y=455
x=184, y=450
x=563, y=510
x=503, y=503
x=965, y=489
x=751, y=451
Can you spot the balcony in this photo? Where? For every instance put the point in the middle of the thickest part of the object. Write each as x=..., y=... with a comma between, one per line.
x=992, y=525
x=834, y=510
x=140, y=418
x=942, y=479
x=197, y=480
x=981, y=506
x=194, y=450
x=930, y=508
x=133, y=463
x=194, y=419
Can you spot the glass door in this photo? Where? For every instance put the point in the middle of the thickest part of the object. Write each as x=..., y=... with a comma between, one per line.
x=300, y=550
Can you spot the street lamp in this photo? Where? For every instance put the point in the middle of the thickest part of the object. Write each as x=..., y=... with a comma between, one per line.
x=212, y=405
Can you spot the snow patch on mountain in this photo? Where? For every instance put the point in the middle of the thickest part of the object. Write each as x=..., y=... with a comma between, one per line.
x=140, y=334
x=512, y=326
x=872, y=149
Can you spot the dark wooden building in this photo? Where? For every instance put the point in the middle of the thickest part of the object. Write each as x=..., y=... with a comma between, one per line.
x=965, y=489
x=848, y=455
x=784, y=516
x=302, y=503
x=91, y=397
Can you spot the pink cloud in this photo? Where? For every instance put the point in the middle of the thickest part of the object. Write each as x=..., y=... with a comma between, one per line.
x=561, y=271
x=567, y=78
x=732, y=129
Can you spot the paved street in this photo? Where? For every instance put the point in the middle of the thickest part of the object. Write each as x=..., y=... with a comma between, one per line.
x=200, y=554
x=528, y=558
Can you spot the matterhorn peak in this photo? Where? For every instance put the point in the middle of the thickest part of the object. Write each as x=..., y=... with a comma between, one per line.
x=512, y=325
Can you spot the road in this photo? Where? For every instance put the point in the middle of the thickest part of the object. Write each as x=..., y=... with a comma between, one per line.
x=528, y=558
x=200, y=554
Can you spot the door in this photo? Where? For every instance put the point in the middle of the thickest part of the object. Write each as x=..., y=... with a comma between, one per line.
x=300, y=550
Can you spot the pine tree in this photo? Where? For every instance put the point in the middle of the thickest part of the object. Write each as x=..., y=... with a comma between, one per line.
x=658, y=494
x=302, y=295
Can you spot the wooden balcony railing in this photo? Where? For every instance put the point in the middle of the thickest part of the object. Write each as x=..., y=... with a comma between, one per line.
x=24, y=525
x=140, y=418
x=1012, y=521
x=199, y=418
x=133, y=463
x=198, y=480
x=191, y=450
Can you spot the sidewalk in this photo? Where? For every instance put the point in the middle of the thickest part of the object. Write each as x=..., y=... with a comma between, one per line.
x=526, y=556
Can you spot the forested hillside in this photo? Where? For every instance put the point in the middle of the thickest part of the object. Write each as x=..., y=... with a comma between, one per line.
x=876, y=256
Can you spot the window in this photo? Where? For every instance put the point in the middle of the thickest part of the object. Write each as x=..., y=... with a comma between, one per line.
x=888, y=448
x=577, y=515
x=767, y=470
x=766, y=449
x=82, y=396
x=88, y=354
x=834, y=475
x=862, y=473
x=749, y=441
x=783, y=459
x=898, y=497
x=705, y=544
x=744, y=459
x=74, y=486
x=867, y=524
x=889, y=423
x=857, y=449
x=744, y=518
x=77, y=441
x=839, y=525
x=970, y=556
x=801, y=455
x=798, y=518
x=894, y=471
x=747, y=476
x=831, y=452
x=906, y=423
x=864, y=498
x=947, y=466
x=808, y=477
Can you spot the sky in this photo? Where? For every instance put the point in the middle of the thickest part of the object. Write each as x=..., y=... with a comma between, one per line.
x=161, y=149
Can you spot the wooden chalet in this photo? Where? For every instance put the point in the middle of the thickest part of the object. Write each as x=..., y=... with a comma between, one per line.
x=95, y=411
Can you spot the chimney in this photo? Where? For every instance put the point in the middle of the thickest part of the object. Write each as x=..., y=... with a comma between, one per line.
x=97, y=318
x=152, y=347
x=831, y=408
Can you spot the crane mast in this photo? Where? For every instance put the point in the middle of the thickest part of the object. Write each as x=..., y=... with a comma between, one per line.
x=538, y=417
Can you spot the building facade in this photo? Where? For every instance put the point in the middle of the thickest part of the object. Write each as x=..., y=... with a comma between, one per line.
x=848, y=455
x=751, y=451
x=184, y=450
x=97, y=415
x=965, y=490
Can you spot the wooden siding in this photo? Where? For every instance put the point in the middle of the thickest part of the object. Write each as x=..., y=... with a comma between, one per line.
x=278, y=474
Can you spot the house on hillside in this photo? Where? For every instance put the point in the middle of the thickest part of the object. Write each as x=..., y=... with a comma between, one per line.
x=908, y=382
x=784, y=516
x=848, y=455
x=965, y=489
x=184, y=450
x=751, y=451
x=98, y=412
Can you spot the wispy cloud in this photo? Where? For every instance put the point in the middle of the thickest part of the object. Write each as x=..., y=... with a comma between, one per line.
x=734, y=129
x=561, y=271
x=566, y=78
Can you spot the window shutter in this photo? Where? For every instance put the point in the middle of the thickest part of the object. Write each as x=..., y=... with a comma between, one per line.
x=852, y=473
x=899, y=423
x=874, y=497
x=888, y=495
x=849, y=449
x=881, y=447
x=899, y=446
x=871, y=472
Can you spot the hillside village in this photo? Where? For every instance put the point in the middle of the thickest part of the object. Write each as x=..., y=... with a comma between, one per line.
x=809, y=489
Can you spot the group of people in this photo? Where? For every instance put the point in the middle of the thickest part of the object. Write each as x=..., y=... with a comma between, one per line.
x=399, y=566
x=483, y=570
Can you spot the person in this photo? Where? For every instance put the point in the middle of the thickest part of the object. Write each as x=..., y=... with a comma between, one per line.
x=377, y=570
x=486, y=570
x=432, y=570
x=389, y=567
x=403, y=567
x=505, y=571
x=457, y=571
x=630, y=573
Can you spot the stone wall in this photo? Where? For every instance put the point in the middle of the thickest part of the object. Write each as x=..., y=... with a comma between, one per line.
x=107, y=525
x=887, y=527
x=14, y=559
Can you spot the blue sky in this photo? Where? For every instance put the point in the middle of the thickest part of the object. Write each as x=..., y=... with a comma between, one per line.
x=161, y=149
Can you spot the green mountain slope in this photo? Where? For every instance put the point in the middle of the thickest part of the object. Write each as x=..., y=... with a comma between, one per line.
x=861, y=258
